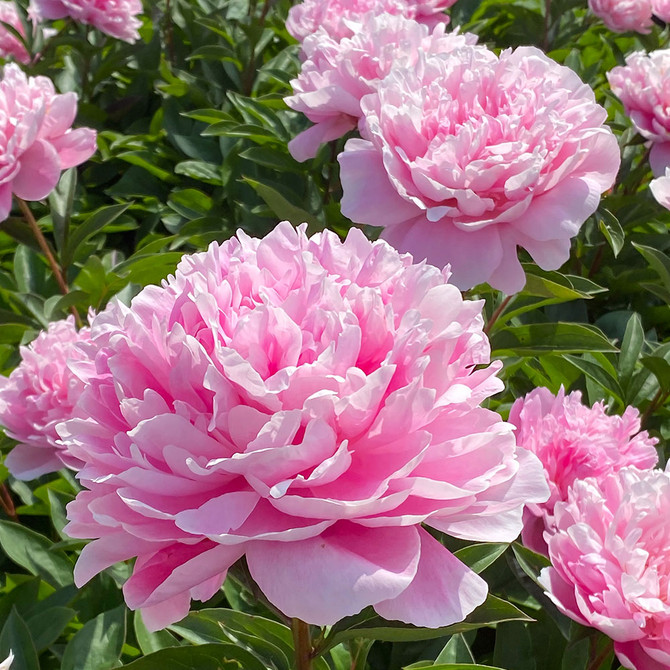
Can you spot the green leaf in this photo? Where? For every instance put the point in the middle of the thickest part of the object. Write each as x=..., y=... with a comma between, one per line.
x=152, y=641
x=598, y=374
x=200, y=170
x=455, y=651
x=371, y=626
x=93, y=224
x=29, y=270
x=201, y=657
x=97, y=646
x=540, y=338
x=61, y=200
x=282, y=208
x=513, y=648
x=456, y=666
x=48, y=624
x=612, y=230
x=660, y=368
x=149, y=268
x=658, y=260
x=34, y=552
x=16, y=637
x=631, y=346
x=478, y=557
x=531, y=563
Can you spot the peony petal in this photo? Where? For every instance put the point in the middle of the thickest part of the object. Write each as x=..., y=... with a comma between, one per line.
x=28, y=462
x=444, y=590
x=75, y=147
x=347, y=568
x=367, y=193
x=39, y=173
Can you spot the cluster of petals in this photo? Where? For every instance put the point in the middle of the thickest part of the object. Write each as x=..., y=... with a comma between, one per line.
x=622, y=16
x=37, y=141
x=643, y=86
x=117, y=18
x=468, y=156
x=307, y=403
x=39, y=394
x=610, y=567
x=343, y=18
x=10, y=45
x=574, y=441
x=336, y=74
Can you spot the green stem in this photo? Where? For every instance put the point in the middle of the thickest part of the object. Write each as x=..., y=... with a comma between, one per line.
x=302, y=645
x=46, y=250
x=7, y=503
x=596, y=661
x=496, y=314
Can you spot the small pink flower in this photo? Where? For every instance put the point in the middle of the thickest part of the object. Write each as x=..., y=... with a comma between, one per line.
x=10, y=46
x=117, y=18
x=610, y=562
x=621, y=16
x=336, y=74
x=573, y=442
x=40, y=393
x=305, y=402
x=36, y=138
x=468, y=156
x=643, y=86
x=342, y=18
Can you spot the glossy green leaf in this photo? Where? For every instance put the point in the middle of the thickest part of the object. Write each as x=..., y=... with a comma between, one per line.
x=34, y=552
x=16, y=637
x=47, y=625
x=201, y=657
x=479, y=556
x=97, y=646
x=152, y=641
x=539, y=338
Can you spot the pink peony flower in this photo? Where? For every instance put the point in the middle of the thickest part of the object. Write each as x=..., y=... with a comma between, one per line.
x=40, y=393
x=643, y=86
x=336, y=74
x=308, y=403
x=573, y=442
x=610, y=562
x=495, y=153
x=117, y=18
x=624, y=15
x=342, y=18
x=10, y=45
x=36, y=140
x=660, y=189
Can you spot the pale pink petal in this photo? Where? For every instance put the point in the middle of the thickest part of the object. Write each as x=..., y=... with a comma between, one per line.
x=305, y=145
x=28, y=462
x=347, y=568
x=75, y=147
x=443, y=591
x=39, y=173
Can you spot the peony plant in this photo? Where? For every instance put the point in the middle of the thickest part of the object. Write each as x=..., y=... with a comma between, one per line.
x=476, y=165
x=226, y=419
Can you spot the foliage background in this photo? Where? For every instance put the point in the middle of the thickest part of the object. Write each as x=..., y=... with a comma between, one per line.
x=192, y=146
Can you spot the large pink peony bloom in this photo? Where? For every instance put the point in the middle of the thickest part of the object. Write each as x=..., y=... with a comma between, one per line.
x=10, y=46
x=610, y=563
x=624, y=15
x=117, y=18
x=307, y=403
x=643, y=86
x=495, y=153
x=336, y=74
x=573, y=442
x=40, y=393
x=342, y=18
x=36, y=140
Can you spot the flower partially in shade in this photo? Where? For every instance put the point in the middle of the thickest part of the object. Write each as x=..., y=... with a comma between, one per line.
x=37, y=141
x=494, y=153
x=643, y=86
x=336, y=74
x=117, y=18
x=573, y=442
x=308, y=403
x=610, y=562
x=39, y=394
x=10, y=45
x=621, y=16
x=343, y=18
